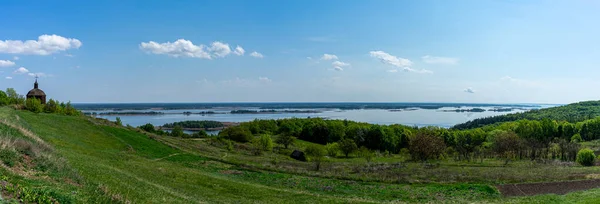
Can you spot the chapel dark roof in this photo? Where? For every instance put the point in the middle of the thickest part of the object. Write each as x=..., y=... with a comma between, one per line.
x=36, y=91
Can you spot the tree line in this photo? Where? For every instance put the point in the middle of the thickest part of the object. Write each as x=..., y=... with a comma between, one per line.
x=522, y=139
x=11, y=97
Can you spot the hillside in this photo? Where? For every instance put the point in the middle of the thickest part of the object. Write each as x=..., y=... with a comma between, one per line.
x=69, y=159
x=574, y=112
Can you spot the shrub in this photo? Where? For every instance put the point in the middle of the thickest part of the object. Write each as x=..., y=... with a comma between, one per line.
x=316, y=154
x=265, y=143
x=9, y=157
x=507, y=144
x=576, y=138
x=118, y=121
x=34, y=105
x=366, y=153
x=177, y=132
x=425, y=146
x=148, y=127
x=285, y=140
x=237, y=133
x=347, y=146
x=586, y=157
x=332, y=149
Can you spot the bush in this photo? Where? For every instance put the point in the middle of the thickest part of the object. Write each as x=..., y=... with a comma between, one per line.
x=425, y=146
x=118, y=121
x=366, y=153
x=586, y=157
x=332, y=149
x=177, y=132
x=265, y=143
x=34, y=105
x=9, y=157
x=285, y=140
x=316, y=154
x=576, y=138
x=237, y=133
x=347, y=146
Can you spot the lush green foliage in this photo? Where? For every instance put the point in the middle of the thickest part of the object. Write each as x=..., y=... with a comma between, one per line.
x=34, y=105
x=316, y=154
x=586, y=157
x=347, y=146
x=332, y=149
x=177, y=132
x=575, y=112
x=238, y=134
x=195, y=124
x=286, y=140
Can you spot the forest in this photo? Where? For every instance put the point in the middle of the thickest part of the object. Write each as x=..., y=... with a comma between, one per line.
x=513, y=140
x=575, y=112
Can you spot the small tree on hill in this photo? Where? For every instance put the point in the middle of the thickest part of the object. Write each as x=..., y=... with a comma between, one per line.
x=586, y=157
x=34, y=105
x=366, y=153
x=507, y=144
x=285, y=140
x=177, y=131
x=347, y=146
x=237, y=133
x=425, y=146
x=316, y=154
x=51, y=106
x=332, y=149
x=148, y=127
x=118, y=121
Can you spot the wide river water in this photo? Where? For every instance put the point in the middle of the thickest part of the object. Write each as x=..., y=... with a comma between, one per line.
x=411, y=117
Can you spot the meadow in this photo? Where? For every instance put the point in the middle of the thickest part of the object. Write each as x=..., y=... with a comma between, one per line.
x=79, y=159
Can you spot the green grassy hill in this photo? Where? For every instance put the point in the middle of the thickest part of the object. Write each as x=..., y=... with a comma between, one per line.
x=83, y=160
x=574, y=112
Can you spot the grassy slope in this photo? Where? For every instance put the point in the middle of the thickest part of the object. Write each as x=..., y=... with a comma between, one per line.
x=126, y=165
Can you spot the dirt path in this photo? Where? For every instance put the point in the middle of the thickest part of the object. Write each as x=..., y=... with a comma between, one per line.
x=564, y=187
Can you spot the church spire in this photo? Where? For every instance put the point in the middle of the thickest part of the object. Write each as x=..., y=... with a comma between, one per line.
x=35, y=85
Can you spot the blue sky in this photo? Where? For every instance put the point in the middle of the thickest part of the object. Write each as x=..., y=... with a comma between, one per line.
x=307, y=51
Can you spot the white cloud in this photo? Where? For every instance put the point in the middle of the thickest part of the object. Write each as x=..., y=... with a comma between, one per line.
x=39, y=74
x=439, y=60
x=15, y=58
x=239, y=50
x=179, y=48
x=6, y=63
x=264, y=79
x=469, y=90
x=8, y=77
x=405, y=64
x=337, y=65
x=390, y=59
x=256, y=54
x=420, y=71
x=219, y=49
x=329, y=57
x=21, y=70
x=44, y=45
x=392, y=70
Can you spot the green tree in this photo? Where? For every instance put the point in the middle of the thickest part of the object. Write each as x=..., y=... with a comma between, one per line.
x=506, y=144
x=51, y=106
x=4, y=100
x=265, y=142
x=118, y=121
x=316, y=154
x=425, y=146
x=236, y=133
x=34, y=105
x=177, y=131
x=285, y=139
x=347, y=146
x=586, y=157
x=148, y=128
x=332, y=149
x=366, y=153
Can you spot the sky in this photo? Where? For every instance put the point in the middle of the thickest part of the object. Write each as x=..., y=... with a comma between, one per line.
x=467, y=51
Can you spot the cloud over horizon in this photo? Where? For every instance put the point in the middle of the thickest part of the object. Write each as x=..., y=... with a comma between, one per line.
x=440, y=60
x=185, y=48
x=6, y=63
x=399, y=62
x=44, y=45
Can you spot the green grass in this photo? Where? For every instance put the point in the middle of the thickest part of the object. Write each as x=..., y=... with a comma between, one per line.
x=116, y=164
